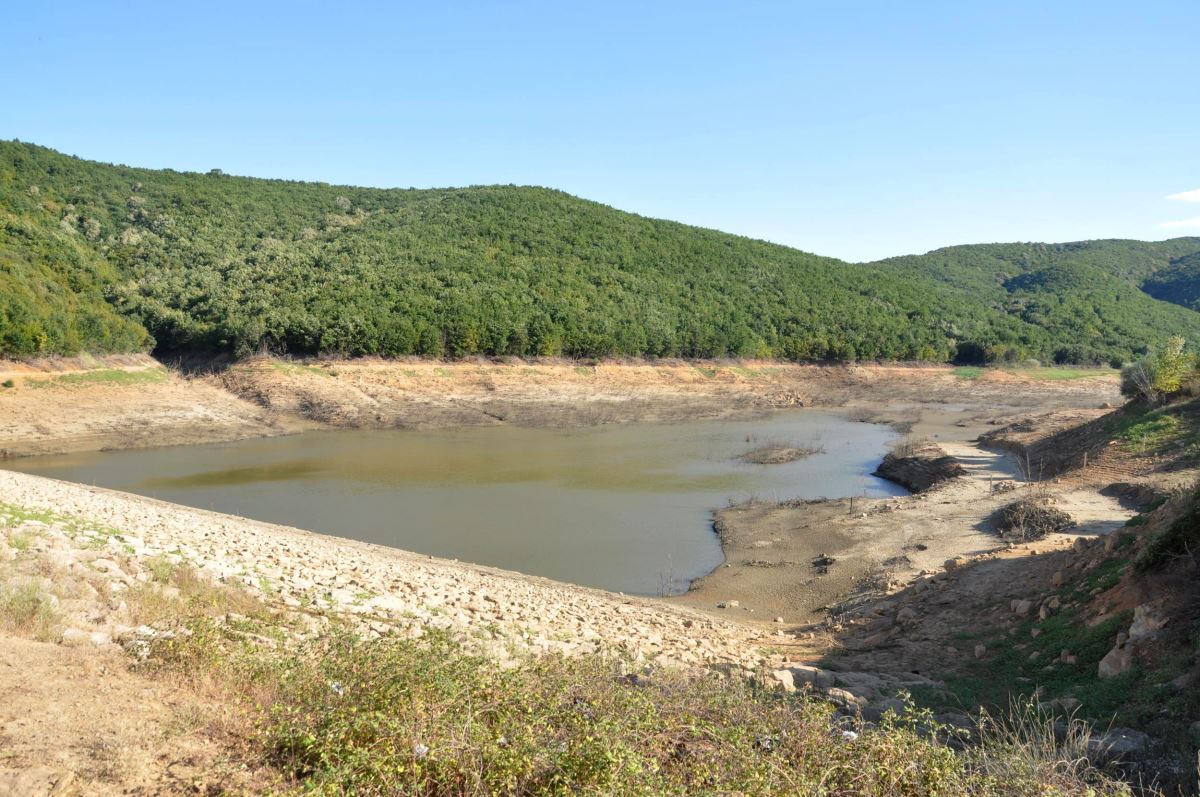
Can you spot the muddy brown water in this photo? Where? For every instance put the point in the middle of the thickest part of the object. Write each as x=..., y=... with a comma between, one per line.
x=625, y=508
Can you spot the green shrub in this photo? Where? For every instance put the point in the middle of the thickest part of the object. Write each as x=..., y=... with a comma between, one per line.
x=391, y=716
x=1179, y=540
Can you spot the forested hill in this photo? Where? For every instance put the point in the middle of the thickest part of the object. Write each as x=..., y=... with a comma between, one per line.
x=110, y=258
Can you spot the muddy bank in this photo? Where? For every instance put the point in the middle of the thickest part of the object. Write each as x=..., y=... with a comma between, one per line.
x=799, y=562
x=87, y=404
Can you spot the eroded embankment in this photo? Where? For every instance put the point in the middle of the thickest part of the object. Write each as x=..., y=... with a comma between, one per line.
x=123, y=402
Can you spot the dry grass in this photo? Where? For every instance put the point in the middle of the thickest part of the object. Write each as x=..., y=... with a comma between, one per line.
x=29, y=609
x=181, y=591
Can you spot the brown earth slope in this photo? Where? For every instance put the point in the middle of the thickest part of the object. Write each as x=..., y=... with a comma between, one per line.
x=123, y=402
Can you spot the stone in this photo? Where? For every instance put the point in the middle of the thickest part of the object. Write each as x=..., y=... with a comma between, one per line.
x=950, y=564
x=874, y=712
x=844, y=700
x=785, y=680
x=1021, y=607
x=1057, y=579
x=1080, y=545
x=980, y=651
x=728, y=605
x=1116, y=661
x=1119, y=744
x=907, y=614
x=814, y=676
x=1034, y=633
x=1147, y=621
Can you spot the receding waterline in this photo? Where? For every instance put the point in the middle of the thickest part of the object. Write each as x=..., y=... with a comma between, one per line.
x=625, y=508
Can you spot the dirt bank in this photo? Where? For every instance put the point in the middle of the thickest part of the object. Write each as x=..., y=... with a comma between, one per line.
x=777, y=555
x=56, y=406
x=83, y=404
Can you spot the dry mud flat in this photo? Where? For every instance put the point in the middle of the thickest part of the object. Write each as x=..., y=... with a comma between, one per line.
x=121, y=402
x=124, y=402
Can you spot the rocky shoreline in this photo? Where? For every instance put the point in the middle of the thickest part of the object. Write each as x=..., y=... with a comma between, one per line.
x=503, y=614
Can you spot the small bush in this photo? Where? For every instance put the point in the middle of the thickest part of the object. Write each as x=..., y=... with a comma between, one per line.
x=1180, y=540
x=8, y=383
x=29, y=610
x=1031, y=519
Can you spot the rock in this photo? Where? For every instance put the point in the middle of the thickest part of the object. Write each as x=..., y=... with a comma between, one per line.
x=1119, y=744
x=1035, y=655
x=955, y=720
x=779, y=619
x=785, y=680
x=813, y=676
x=950, y=564
x=858, y=680
x=1044, y=612
x=1067, y=704
x=907, y=614
x=1115, y=662
x=1080, y=545
x=728, y=605
x=844, y=700
x=874, y=712
x=1147, y=621
x=1021, y=607
x=980, y=651
x=1034, y=633
x=1057, y=579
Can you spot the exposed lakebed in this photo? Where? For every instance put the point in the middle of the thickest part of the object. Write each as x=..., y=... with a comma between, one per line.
x=625, y=508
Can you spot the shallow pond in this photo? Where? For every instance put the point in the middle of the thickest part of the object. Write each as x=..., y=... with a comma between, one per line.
x=625, y=508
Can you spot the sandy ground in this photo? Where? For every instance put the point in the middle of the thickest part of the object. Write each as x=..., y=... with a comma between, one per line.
x=77, y=722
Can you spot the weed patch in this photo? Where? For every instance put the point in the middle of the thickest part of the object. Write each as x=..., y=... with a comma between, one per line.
x=29, y=610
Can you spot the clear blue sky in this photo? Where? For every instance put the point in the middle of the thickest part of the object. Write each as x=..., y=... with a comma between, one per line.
x=858, y=130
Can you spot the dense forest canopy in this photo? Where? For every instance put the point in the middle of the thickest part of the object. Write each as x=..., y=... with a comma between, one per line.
x=109, y=258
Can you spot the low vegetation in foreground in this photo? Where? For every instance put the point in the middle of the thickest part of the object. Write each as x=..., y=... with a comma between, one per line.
x=309, y=702
x=346, y=715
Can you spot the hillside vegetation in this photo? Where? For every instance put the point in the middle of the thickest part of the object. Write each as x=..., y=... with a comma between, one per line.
x=108, y=258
